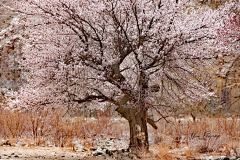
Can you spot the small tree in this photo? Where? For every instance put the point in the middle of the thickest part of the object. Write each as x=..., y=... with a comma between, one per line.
x=230, y=31
x=135, y=54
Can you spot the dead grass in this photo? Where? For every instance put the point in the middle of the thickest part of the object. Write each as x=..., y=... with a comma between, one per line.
x=191, y=134
x=163, y=152
x=49, y=128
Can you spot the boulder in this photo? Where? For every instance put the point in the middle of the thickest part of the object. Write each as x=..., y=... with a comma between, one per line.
x=98, y=153
x=78, y=148
x=93, y=148
x=6, y=143
x=18, y=144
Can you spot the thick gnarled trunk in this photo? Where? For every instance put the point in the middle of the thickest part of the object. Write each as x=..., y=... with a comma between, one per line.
x=138, y=120
x=138, y=130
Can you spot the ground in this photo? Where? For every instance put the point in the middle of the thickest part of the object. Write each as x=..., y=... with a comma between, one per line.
x=47, y=153
x=36, y=153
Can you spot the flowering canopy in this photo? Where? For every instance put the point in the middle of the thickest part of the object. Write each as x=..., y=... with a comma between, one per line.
x=110, y=51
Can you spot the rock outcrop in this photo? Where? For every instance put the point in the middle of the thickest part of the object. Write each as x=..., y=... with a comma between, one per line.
x=10, y=54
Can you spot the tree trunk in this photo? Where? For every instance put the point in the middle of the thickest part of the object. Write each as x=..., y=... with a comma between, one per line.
x=137, y=119
x=138, y=130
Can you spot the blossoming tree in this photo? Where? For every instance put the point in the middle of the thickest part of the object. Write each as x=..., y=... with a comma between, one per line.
x=134, y=54
x=230, y=30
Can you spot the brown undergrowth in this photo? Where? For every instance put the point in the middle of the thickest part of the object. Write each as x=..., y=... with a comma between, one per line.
x=48, y=127
x=188, y=138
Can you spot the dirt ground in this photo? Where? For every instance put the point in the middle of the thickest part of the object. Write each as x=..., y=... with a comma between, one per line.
x=51, y=153
x=36, y=153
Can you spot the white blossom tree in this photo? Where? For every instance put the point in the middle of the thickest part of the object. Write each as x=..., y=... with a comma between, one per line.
x=135, y=54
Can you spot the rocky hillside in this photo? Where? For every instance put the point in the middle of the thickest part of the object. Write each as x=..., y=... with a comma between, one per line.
x=228, y=85
x=6, y=16
x=10, y=52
